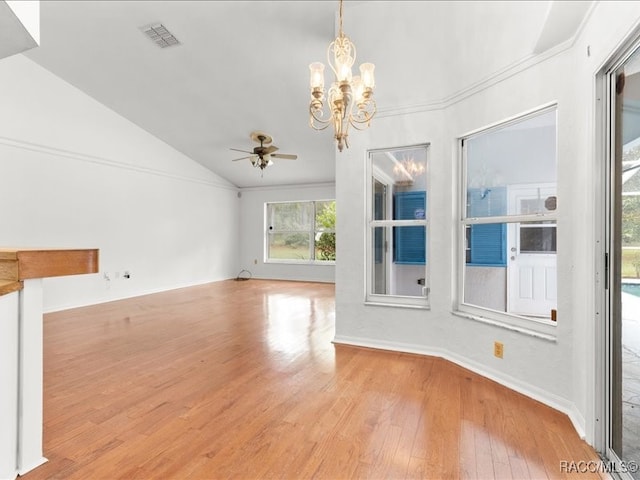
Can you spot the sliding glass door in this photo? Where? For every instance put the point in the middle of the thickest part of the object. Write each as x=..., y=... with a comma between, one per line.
x=623, y=293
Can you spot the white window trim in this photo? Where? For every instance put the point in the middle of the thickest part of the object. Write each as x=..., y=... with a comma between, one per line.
x=538, y=327
x=381, y=300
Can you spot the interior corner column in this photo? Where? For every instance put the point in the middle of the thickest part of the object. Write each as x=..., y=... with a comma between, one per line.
x=8, y=384
x=30, y=367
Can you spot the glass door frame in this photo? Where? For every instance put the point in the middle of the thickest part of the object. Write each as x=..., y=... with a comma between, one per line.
x=608, y=334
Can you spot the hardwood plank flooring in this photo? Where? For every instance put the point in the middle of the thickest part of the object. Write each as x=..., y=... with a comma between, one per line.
x=240, y=380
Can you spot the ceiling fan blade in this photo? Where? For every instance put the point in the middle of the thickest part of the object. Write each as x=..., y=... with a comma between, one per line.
x=270, y=149
x=284, y=156
x=238, y=150
x=241, y=158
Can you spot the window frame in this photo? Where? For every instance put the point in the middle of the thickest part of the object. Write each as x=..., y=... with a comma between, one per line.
x=370, y=298
x=540, y=327
x=312, y=232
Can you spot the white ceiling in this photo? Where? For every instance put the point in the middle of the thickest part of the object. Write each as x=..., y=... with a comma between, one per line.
x=243, y=65
x=14, y=36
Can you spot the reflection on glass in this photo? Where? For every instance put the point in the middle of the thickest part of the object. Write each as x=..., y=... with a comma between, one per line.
x=511, y=267
x=290, y=216
x=399, y=198
x=407, y=276
x=405, y=169
x=409, y=245
x=537, y=237
x=519, y=153
x=290, y=245
x=379, y=272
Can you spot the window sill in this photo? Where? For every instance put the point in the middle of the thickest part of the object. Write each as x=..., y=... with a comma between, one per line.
x=302, y=262
x=507, y=326
x=397, y=305
x=400, y=301
x=492, y=265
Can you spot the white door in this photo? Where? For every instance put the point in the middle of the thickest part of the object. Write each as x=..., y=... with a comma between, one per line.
x=531, y=264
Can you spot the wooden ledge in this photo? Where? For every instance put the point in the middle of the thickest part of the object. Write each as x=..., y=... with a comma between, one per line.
x=17, y=264
x=8, y=286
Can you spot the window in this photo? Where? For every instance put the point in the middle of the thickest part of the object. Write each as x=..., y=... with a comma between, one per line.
x=397, y=236
x=508, y=221
x=301, y=232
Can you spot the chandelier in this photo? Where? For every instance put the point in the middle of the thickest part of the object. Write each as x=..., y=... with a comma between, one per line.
x=350, y=101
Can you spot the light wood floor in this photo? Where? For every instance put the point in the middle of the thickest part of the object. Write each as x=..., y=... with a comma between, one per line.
x=240, y=380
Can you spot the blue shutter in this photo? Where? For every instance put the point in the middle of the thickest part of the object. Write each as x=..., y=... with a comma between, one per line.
x=489, y=244
x=409, y=242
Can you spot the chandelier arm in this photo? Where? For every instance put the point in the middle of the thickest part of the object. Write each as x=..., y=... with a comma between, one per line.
x=365, y=115
x=355, y=55
x=320, y=128
x=331, y=61
x=360, y=125
x=317, y=122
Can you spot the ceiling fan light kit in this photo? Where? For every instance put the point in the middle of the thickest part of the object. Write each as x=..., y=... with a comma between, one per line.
x=350, y=98
x=262, y=155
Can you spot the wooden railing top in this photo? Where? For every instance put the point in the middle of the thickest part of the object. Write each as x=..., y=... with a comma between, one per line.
x=17, y=264
x=8, y=286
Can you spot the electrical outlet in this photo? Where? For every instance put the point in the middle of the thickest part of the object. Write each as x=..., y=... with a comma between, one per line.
x=498, y=349
x=255, y=261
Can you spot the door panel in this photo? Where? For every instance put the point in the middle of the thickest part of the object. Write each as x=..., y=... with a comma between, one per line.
x=526, y=283
x=531, y=266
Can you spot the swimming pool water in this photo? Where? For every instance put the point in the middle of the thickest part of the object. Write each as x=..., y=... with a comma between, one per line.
x=632, y=288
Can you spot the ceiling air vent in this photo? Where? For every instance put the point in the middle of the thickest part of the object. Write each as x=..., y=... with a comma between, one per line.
x=160, y=35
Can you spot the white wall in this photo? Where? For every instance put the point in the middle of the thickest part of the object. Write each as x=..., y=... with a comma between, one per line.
x=252, y=227
x=558, y=372
x=486, y=287
x=73, y=174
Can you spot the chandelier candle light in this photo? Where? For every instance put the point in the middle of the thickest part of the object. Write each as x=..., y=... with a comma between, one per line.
x=345, y=93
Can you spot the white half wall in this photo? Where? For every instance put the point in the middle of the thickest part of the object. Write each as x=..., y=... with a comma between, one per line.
x=252, y=240
x=73, y=174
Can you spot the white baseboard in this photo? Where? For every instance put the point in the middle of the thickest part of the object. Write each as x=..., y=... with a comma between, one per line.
x=36, y=463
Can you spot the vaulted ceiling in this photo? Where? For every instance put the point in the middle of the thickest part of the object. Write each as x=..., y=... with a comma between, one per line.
x=243, y=65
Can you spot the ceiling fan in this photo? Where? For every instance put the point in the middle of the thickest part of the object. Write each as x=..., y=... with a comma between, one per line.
x=261, y=156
